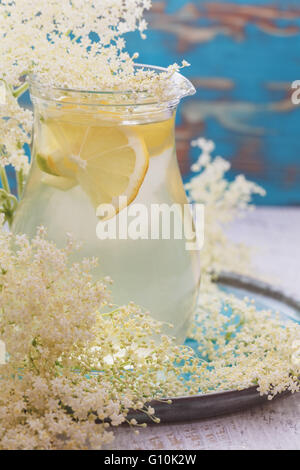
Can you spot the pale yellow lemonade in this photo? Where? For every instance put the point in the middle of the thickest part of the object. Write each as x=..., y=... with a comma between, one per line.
x=87, y=156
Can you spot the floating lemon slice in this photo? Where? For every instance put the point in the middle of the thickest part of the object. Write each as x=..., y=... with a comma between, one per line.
x=50, y=154
x=107, y=162
x=59, y=182
x=158, y=136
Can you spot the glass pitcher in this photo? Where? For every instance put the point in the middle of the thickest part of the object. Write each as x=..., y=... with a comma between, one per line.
x=99, y=150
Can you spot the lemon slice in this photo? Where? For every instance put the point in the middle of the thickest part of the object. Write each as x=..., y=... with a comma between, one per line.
x=108, y=162
x=48, y=157
x=115, y=175
x=59, y=182
x=158, y=136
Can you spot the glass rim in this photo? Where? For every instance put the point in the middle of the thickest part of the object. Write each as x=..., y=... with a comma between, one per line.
x=144, y=96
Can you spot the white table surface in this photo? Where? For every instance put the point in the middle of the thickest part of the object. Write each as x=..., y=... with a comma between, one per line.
x=275, y=425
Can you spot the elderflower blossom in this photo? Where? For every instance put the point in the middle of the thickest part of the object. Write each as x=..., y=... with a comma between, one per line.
x=224, y=201
x=244, y=347
x=72, y=44
x=58, y=330
x=53, y=37
x=15, y=131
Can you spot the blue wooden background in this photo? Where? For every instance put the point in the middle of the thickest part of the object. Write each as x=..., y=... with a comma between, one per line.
x=244, y=54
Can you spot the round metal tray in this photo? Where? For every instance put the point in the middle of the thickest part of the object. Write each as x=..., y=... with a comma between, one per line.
x=215, y=404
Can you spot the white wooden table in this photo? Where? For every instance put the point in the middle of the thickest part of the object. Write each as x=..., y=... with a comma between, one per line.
x=276, y=425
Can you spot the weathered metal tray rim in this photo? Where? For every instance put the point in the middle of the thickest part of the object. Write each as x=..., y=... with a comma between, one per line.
x=258, y=286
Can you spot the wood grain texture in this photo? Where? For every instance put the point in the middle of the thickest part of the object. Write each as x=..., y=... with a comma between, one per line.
x=276, y=425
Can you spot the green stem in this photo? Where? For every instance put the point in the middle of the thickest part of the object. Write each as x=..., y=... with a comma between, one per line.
x=20, y=181
x=4, y=180
x=19, y=91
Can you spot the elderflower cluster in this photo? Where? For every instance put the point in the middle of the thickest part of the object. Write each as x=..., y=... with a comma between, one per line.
x=72, y=44
x=58, y=328
x=52, y=39
x=240, y=345
x=244, y=347
x=224, y=201
x=15, y=131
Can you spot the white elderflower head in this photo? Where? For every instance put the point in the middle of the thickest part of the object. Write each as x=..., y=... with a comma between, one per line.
x=15, y=131
x=74, y=44
x=224, y=201
x=58, y=330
